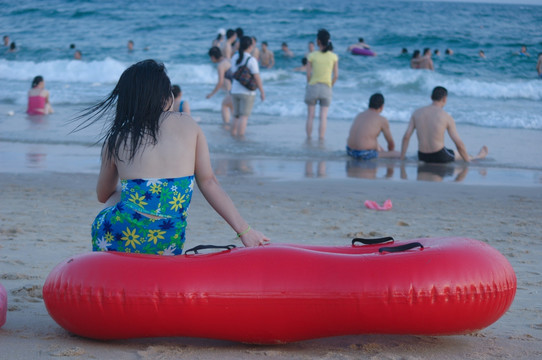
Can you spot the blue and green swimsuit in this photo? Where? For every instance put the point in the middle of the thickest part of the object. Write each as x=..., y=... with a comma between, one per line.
x=124, y=227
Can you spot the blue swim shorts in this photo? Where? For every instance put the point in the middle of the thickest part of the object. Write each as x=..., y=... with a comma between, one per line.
x=362, y=154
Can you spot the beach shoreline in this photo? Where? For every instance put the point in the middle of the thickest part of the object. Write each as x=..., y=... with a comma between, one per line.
x=35, y=145
x=37, y=159
x=46, y=219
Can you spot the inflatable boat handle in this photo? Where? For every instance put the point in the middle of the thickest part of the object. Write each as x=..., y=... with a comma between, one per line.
x=400, y=247
x=372, y=241
x=204, y=247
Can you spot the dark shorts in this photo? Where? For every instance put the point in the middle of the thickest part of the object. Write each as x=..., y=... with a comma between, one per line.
x=443, y=156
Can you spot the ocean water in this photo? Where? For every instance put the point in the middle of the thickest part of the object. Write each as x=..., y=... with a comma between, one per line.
x=499, y=95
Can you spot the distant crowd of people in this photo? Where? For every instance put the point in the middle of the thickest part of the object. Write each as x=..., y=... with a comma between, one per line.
x=11, y=47
x=239, y=60
x=322, y=71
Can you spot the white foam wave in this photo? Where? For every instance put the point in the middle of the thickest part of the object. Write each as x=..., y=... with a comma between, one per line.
x=467, y=87
x=97, y=72
x=529, y=90
x=191, y=73
x=103, y=71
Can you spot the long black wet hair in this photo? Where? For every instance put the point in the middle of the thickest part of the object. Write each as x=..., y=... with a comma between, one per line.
x=325, y=39
x=36, y=81
x=244, y=44
x=140, y=97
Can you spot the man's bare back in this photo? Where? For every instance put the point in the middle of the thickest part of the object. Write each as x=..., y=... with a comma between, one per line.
x=431, y=123
x=365, y=130
x=426, y=62
x=267, y=58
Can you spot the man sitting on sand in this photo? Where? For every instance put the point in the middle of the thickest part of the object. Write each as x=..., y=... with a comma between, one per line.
x=431, y=122
x=362, y=141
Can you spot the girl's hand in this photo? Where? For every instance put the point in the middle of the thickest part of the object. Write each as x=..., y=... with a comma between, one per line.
x=254, y=238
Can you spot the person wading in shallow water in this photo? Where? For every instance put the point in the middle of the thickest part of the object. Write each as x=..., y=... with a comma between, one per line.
x=322, y=73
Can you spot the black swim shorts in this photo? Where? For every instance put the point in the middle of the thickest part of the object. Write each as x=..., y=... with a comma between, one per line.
x=443, y=156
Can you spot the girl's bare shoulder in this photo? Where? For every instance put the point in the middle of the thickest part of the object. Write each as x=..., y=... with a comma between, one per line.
x=177, y=119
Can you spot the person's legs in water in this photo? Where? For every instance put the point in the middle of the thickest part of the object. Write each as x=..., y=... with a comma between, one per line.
x=311, y=109
x=227, y=109
x=323, y=121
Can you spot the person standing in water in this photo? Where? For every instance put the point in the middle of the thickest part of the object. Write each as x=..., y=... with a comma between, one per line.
x=322, y=73
x=223, y=69
x=426, y=62
x=415, y=60
x=267, y=58
x=243, y=98
x=227, y=48
x=255, y=51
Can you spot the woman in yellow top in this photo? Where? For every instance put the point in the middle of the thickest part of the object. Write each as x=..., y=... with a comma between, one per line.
x=321, y=66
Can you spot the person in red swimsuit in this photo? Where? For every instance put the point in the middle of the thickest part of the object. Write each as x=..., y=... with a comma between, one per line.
x=38, y=98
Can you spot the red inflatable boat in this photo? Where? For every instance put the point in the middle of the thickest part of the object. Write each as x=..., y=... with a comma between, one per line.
x=284, y=293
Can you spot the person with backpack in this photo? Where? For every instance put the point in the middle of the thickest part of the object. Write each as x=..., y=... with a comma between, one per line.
x=246, y=79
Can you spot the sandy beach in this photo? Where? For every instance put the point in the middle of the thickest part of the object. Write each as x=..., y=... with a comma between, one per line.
x=292, y=189
x=45, y=219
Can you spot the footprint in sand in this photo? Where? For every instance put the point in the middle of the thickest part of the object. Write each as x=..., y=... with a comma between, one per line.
x=31, y=293
x=16, y=276
x=75, y=351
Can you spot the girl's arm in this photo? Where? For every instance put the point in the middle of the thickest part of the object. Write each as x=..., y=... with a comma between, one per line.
x=108, y=178
x=335, y=72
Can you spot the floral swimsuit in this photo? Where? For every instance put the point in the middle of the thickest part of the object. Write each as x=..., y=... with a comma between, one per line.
x=124, y=227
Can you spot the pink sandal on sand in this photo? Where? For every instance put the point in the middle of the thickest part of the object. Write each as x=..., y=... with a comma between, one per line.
x=370, y=204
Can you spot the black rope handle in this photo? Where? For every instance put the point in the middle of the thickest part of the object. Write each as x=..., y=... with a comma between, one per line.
x=195, y=249
x=400, y=248
x=372, y=241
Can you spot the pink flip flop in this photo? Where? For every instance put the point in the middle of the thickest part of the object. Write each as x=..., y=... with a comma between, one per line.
x=370, y=204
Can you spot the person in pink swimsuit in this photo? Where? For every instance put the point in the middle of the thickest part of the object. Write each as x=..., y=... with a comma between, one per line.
x=38, y=98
